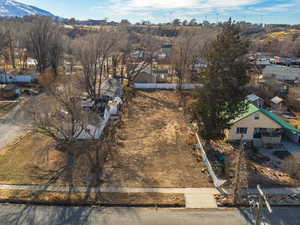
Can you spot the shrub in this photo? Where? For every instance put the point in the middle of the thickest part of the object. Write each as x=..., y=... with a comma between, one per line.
x=292, y=167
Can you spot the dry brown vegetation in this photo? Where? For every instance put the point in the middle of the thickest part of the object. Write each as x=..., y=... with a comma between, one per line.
x=91, y=198
x=155, y=146
x=154, y=149
x=6, y=107
x=259, y=170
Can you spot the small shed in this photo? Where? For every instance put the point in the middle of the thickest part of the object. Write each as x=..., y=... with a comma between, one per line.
x=112, y=88
x=255, y=100
x=277, y=104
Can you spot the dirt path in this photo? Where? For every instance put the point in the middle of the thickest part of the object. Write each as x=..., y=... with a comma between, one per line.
x=12, y=124
x=156, y=146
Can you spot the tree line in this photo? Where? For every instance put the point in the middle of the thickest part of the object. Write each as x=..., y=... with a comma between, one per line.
x=110, y=53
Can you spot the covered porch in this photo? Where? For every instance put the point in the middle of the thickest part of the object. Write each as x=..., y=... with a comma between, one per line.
x=268, y=136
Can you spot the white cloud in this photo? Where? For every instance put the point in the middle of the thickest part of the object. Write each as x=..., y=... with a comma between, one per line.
x=277, y=8
x=160, y=9
x=177, y=4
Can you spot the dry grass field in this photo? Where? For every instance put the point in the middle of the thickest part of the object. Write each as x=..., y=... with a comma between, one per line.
x=155, y=149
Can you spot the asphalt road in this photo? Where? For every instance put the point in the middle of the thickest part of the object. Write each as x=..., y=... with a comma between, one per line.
x=44, y=215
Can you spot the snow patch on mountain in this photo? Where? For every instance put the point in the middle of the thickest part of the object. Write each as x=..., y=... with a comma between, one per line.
x=10, y=8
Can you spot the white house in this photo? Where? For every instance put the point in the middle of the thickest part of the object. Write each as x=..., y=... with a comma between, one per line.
x=261, y=127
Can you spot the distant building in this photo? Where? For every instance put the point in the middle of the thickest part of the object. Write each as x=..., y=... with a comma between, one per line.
x=284, y=60
x=8, y=91
x=167, y=49
x=277, y=104
x=137, y=53
x=262, y=62
x=282, y=73
x=111, y=88
x=145, y=77
x=161, y=56
x=275, y=86
x=255, y=100
x=156, y=76
x=200, y=63
x=14, y=79
x=31, y=62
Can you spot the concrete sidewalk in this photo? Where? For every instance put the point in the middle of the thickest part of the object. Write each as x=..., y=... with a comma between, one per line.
x=196, y=198
x=275, y=191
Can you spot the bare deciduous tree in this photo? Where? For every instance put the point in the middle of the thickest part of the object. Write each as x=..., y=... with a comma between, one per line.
x=94, y=51
x=134, y=64
x=45, y=43
x=182, y=56
x=58, y=114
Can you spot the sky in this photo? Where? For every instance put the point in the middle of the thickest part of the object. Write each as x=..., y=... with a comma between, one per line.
x=257, y=11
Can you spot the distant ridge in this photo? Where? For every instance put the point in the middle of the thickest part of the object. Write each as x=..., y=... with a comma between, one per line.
x=10, y=8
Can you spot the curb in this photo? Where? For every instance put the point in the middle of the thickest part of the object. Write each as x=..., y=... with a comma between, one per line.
x=246, y=205
x=70, y=204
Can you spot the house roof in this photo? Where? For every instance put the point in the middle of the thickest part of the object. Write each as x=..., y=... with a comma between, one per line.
x=253, y=109
x=279, y=120
x=253, y=97
x=276, y=100
x=111, y=87
x=282, y=72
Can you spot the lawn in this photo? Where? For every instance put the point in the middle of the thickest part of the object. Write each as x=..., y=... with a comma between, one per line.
x=17, y=160
x=34, y=159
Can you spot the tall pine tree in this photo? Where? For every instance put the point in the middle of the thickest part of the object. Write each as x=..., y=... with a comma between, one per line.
x=223, y=96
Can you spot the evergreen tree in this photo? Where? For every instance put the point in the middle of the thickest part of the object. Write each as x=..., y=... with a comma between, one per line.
x=223, y=96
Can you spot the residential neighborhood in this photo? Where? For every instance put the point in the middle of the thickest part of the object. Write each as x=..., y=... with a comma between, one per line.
x=171, y=121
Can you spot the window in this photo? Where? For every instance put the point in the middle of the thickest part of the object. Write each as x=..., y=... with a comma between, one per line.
x=256, y=117
x=258, y=132
x=241, y=130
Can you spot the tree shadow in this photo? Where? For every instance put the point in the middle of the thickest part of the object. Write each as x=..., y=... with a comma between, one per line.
x=84, y=168
x=49, y=215
x=31, y=215
x=158, y=101
x=279, y=216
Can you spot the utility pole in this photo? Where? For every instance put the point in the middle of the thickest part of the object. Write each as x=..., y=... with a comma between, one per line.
x=260, y=205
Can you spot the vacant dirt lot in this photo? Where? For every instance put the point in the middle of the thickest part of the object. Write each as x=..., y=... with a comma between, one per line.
x=155, y=146
x=154, y=149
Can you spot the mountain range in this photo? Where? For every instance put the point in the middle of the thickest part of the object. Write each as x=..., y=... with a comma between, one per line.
x=10, y=8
